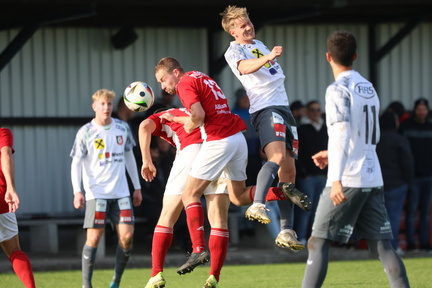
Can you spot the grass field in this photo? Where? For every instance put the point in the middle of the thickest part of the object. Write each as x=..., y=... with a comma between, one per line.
x=344, y=274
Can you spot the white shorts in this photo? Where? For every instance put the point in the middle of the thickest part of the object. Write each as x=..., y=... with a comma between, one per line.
x=180, y=171
x=8, y=226
x=226, y=158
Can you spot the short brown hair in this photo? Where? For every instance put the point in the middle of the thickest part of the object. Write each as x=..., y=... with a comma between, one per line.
x=168, y=64
x=232, y=13
x=342, y=46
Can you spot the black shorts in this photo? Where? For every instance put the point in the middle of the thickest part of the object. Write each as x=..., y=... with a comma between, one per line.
x=363, y=214
x=119, y=211
x=276, y=123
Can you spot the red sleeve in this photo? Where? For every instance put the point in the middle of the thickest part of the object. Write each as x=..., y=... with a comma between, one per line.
x=6, y=138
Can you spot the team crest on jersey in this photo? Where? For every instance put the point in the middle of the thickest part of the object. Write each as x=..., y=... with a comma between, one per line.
x=119, y=140
x=99, y=144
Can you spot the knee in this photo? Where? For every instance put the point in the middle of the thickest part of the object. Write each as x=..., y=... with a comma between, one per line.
x=311, y=243
x=126, y=240
x=278, y=158
x=93, y=240
x=237, y=201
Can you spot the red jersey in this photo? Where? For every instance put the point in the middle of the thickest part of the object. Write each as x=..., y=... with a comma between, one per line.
x=174, y=132
x=219, y=121
x=6, y=139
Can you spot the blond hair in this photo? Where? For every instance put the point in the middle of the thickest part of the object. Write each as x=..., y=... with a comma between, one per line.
x=104, y=94
x=232, y=13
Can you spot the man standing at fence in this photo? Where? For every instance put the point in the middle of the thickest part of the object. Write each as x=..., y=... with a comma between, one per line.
x=9, y=202
x=101, y=154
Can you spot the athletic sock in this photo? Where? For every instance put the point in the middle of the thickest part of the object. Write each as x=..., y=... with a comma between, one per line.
x=88, y=260
x=218, y=245
x=252, y=193
x=286, y=212
x=392, y=263
x=23, y=268
x=121, y=260
x=162, y=240
x=195, y=222
x=317, y=262
x=274, y=194
x=265, y=178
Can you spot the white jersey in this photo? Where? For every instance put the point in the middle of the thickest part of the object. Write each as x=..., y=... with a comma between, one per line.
x=352, y=108
x=101, y=150
x=265, y=87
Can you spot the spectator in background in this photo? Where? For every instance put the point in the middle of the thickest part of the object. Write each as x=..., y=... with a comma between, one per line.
x=397, y=168
x=123, y=112
x=163, y=157
x=418, y=130
x=399, y=109
x=152, y=192
x=298, y=110
x=9, y=203
x=313, y=138
x=241, y=108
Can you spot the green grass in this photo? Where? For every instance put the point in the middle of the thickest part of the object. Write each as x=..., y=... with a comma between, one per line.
x=346, y=274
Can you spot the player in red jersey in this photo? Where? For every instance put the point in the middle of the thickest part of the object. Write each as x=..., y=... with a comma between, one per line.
x=188, y=146
x=223, y=154
x=9, y=203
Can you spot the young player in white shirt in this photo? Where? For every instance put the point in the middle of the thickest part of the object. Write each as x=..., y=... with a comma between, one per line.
x=262, y=77
x=101, y=155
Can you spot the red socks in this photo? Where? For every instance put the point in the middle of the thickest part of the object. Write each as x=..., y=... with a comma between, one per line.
x=23, y=268
x=162, y=240
x=275, y=193
x=218, y=245
x=195, y=222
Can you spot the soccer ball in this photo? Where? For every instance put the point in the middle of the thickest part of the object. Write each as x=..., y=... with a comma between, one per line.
x=138, y=96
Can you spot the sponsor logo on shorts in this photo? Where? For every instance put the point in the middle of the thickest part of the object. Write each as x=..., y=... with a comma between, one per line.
x=277, y=119
x=280, y=130
x=125, y=219
x=346, y=231
x=386, y=228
